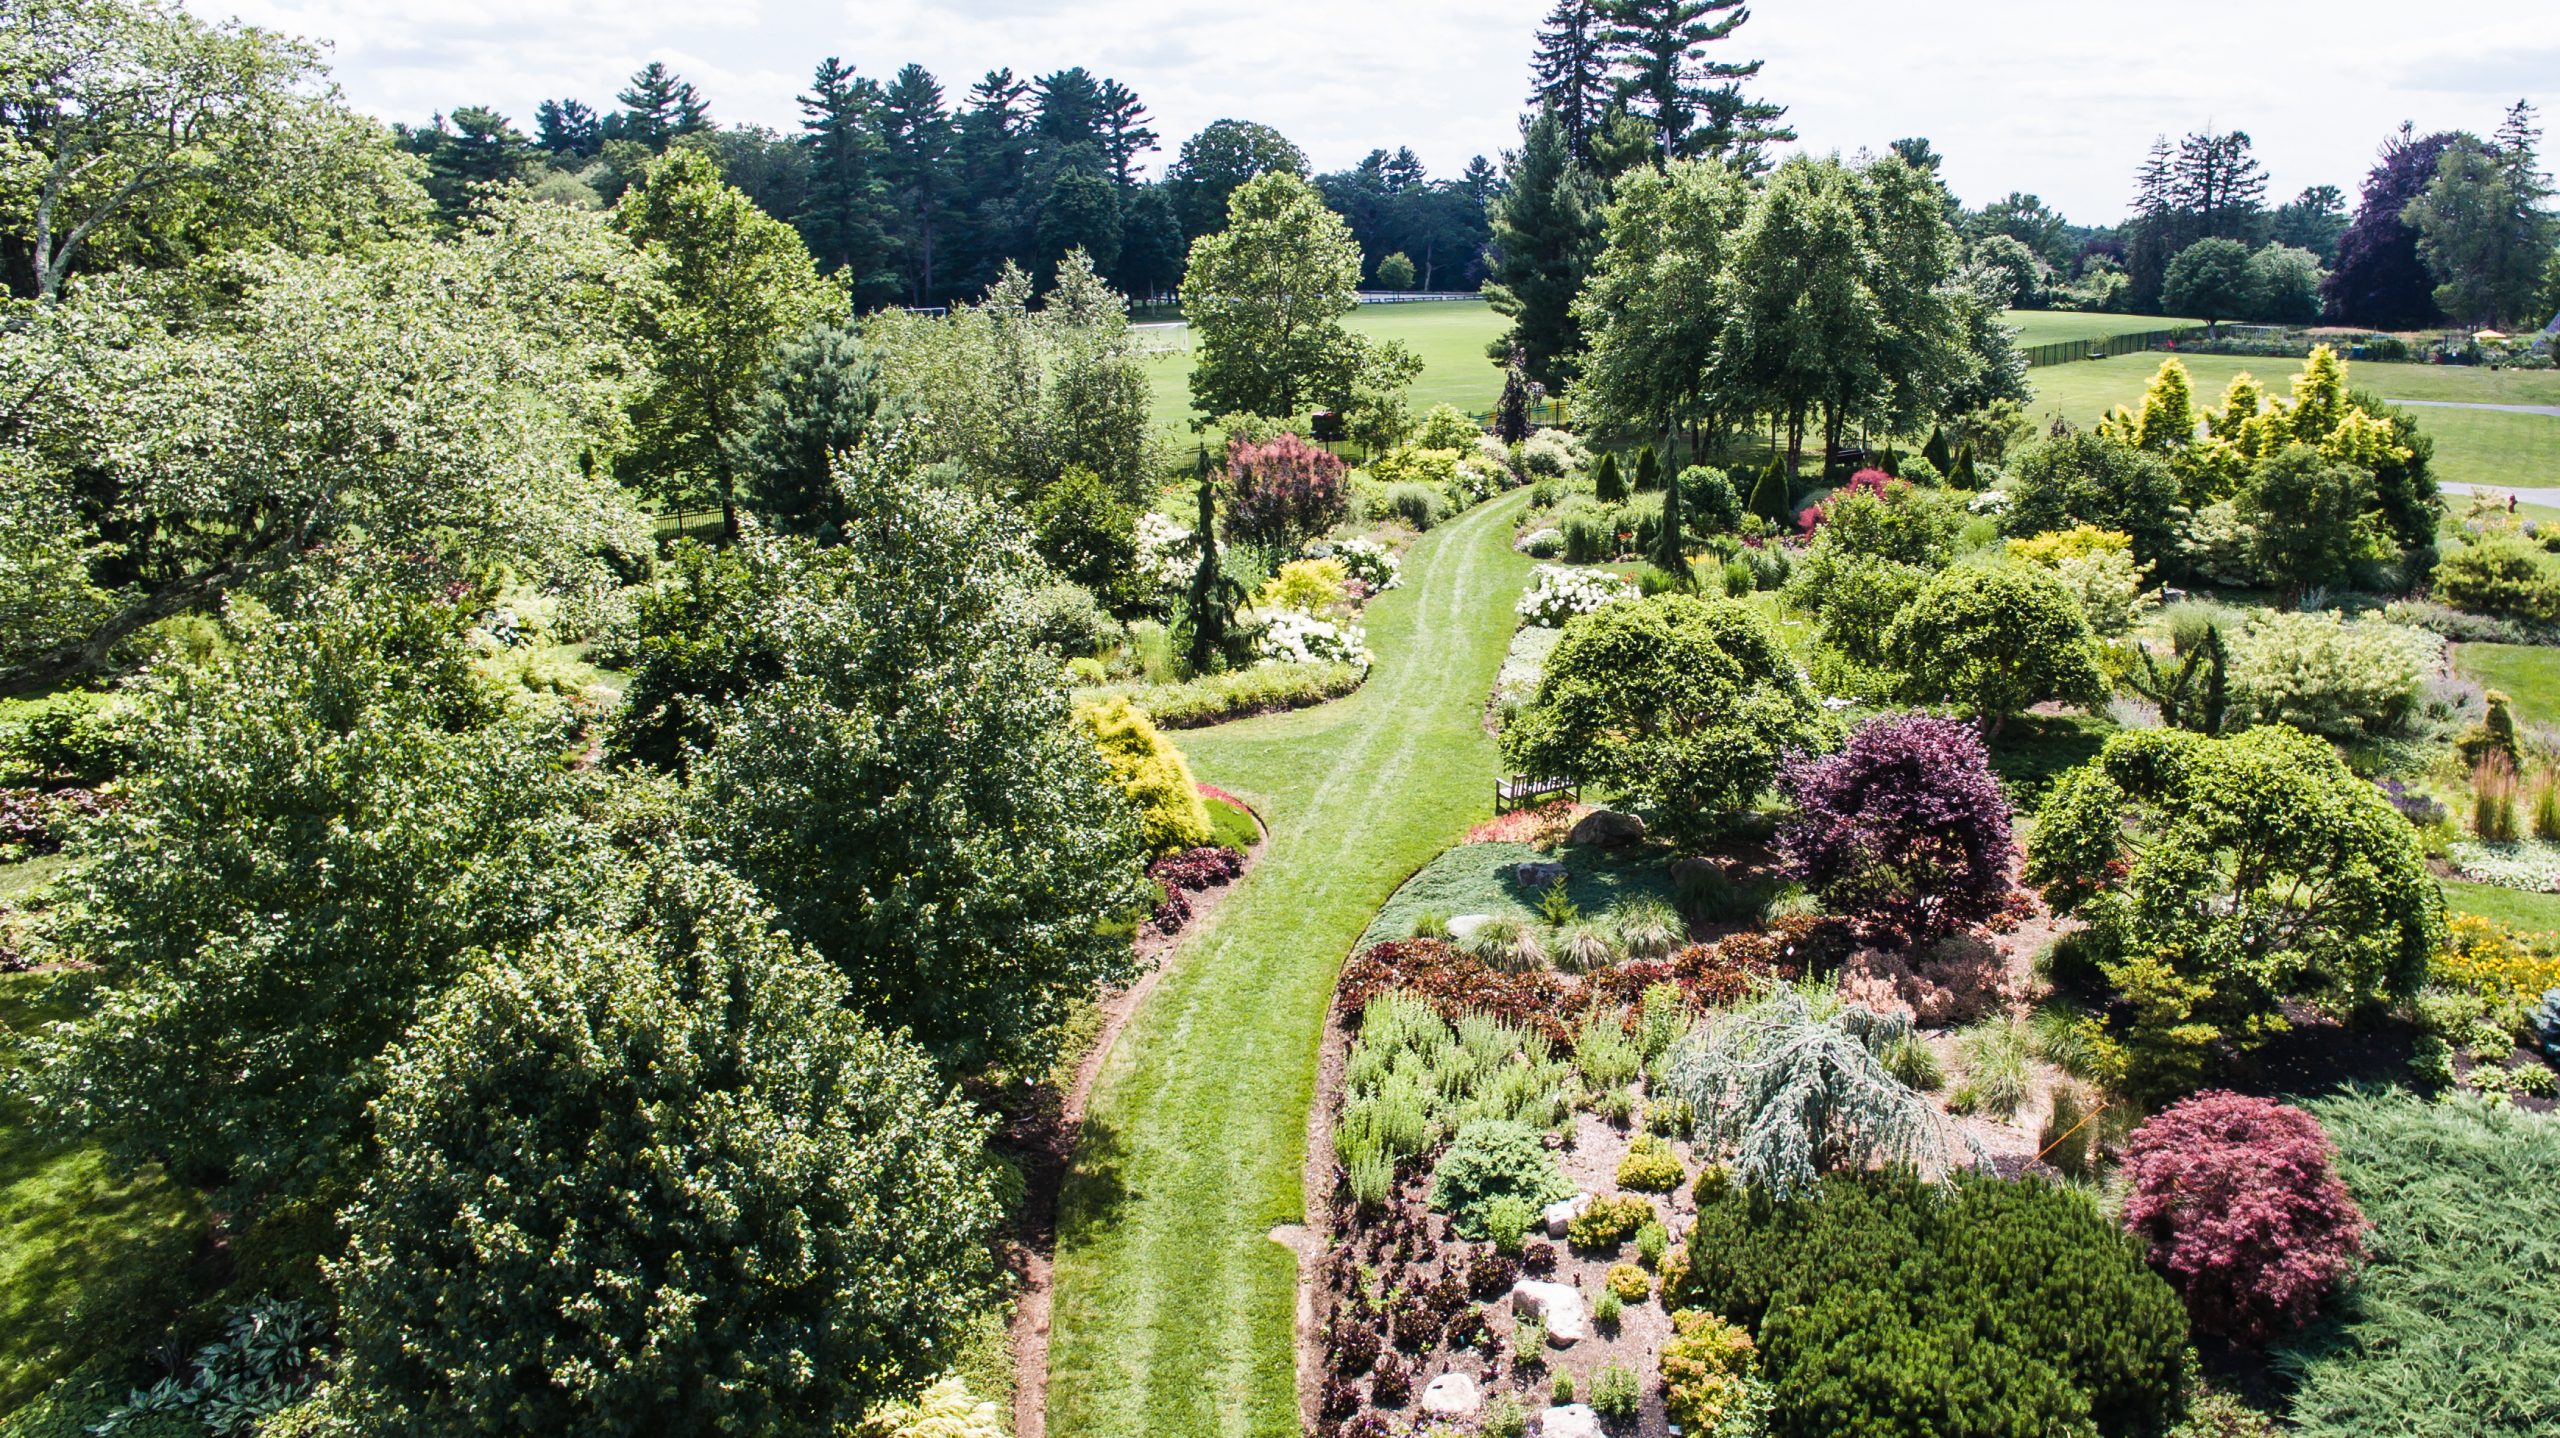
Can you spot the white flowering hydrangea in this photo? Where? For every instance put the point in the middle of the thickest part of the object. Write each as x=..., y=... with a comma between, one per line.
x=1545, y=543
x=1371, y=562
x=1560, y=593
x=1167, y=552
x=1990, y=501
x=1289, y=637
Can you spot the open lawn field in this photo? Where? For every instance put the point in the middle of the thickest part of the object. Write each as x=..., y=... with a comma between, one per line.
x=2516, y=907
x=1451, y=336
x=2487, y=447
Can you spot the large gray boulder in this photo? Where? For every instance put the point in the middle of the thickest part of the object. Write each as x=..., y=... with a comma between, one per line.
x=1569, y=1420
x=1537, y=874
x=1558, y=1305
x=1452, y=1395
x=1606, y=828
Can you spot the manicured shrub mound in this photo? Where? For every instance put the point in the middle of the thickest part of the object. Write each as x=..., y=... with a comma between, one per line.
x=2011, y=1302
x=1905, y=827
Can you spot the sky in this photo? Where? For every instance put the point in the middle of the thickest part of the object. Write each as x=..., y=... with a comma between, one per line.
x=2017, y=94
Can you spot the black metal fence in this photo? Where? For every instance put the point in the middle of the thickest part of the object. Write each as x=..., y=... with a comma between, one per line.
x=2104, y=347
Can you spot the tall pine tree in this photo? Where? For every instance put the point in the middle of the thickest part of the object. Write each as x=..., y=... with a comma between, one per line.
x=916, y=139
x=846, y=219
x=1546, y=232
x=1122, y=124
x=660, y=106
x=1569, y=73
x=1695, y=105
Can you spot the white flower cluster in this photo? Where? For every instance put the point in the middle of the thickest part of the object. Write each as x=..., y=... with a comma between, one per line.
x=1561, y=593
x=1370, y=562
x=1990, y=501
x=1289, y=637
x=1167, y=552
x=2531, y=865
x=1545, y=543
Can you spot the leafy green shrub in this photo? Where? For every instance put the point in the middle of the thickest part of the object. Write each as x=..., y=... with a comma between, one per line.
x=1653, y=1241
x=1506, y=1222
x=1680, y=704
x=1589, y=537
x=1150, y=771
x=2500, y=575
x=2323, y=675
x=1489, y=1159
x=1607, y=1310
x=677, y=1079
x=1445, y=426
x=2142, y=844
x=2088, y=478
x=699, y=647
x=1553, y=454
x=1067, y=618
x=1607, y=1222
x=1708, y=502
x=1650, y=1166
x=1996, y=641
x=1605, y=1055
x=72, y=737
x=2017, y=1291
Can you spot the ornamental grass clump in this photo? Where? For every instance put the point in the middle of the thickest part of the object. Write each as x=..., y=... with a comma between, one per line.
x=2493, y=799
x=2240, y=1202
x=1508, y=945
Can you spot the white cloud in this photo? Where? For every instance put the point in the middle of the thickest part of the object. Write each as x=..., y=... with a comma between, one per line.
x=2021, y=96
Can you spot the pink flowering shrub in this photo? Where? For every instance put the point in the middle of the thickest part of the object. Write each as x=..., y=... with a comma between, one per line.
x=2243, y=1211
x=1905, y=829
x=1954, y=981
x=1282, y=492
x=1865, y=481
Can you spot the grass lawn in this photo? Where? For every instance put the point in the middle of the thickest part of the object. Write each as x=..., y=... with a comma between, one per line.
x=1449, y=335
x=2529, y=674
x=2053, y=327
x=1174, y=1312
x=1476, y=879
x=2513, y=907
x=92, y=1264
x=2472, y=446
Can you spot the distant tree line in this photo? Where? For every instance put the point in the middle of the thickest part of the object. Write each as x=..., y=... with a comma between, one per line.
x=919, y=199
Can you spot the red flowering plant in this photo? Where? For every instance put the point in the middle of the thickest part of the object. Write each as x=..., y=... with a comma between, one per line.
x=1282, y=492
x=1905, y=829
x=2243, y=1211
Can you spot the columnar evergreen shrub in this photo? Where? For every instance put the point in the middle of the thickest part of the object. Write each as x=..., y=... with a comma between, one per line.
x=1609, y=482
x=2011, y=1302
x=649, y=1174
x=2242, y=1208
x=1905, y=828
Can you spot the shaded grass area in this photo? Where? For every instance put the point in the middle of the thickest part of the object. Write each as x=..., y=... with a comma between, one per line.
x=2472, y=446
x=2529, y=674
x=2447, y=1331
x=94, y=1264
x=1174, y=1312
x=2514, y=907
x=1477, y=879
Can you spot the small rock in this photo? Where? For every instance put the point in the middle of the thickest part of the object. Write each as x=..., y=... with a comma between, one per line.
x=1693, y=869
x=1606, y=828
x=1537, y=875
x=1558, y=1305
x=1560, y=1214
x=1452, y=1395
x=1462, y=929
x=1569, y=1420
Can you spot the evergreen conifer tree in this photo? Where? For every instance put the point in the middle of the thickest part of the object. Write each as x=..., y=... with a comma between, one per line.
x=1607, y=480
x=1773, y=498
x=1648, y=471
x=1569, y=73
x=1670, y=546
x=1546, y=232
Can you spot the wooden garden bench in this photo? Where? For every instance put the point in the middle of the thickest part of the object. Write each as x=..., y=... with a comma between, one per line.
x=1520, y=789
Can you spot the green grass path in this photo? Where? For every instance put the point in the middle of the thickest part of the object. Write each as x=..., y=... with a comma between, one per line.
x=1173, y=1311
